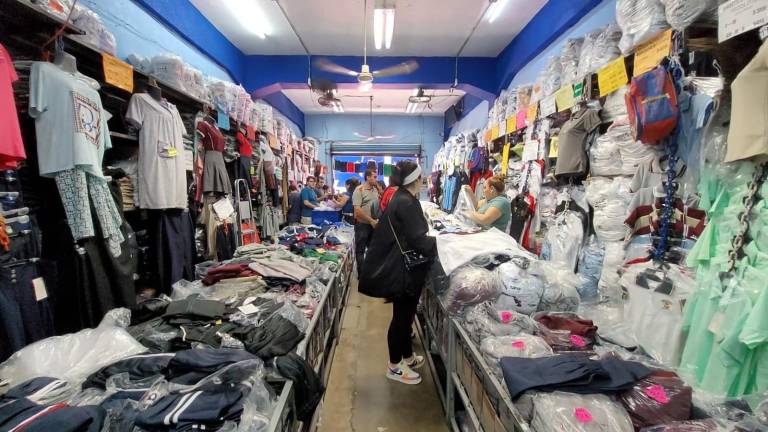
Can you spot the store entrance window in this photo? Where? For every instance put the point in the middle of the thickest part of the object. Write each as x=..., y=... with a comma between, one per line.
x=345, y=167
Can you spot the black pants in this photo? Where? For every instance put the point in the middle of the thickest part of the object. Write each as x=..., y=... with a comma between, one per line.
x=363, y=234
x=399, y=335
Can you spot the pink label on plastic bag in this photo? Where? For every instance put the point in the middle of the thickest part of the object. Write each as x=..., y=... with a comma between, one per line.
x=520, y=345
x=578, y=341
x=657, y=393
x=506, y=317
x=582, y=415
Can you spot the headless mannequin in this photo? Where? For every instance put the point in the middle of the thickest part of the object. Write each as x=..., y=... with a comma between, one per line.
x=154, y=90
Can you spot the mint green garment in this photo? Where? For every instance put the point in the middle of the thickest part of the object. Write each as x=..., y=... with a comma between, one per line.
x=502, y=203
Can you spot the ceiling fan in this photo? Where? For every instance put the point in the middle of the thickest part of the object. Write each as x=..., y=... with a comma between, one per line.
x=419, y=97
x=370, y=137
x=365, y=77
x=328, y=94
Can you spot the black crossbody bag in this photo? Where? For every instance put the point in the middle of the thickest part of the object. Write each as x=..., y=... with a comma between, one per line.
x=411, y=258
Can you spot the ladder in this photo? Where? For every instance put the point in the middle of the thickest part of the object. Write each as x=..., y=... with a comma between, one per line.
x=246, y=223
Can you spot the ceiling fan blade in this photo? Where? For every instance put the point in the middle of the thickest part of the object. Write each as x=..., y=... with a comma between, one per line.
x=357, y=134
x=383, y=136
x=332, y=67
x=403, y=68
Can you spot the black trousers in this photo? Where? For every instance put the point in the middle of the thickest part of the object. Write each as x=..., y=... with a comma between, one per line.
x=363, y=234
x=172, y=245
x=399, y=335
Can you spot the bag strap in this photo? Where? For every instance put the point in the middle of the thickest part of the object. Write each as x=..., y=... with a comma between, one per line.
x=389, y=220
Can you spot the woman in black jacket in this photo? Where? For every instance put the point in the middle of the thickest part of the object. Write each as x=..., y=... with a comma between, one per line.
x=384, y=274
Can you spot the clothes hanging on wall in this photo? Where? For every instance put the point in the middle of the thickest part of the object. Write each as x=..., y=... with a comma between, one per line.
x=215, y=177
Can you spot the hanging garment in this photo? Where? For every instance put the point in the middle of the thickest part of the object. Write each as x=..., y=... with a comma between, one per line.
x=748, y=134
x=162, y=161
x=215, y=177
x=11, y=146
x=171, y=234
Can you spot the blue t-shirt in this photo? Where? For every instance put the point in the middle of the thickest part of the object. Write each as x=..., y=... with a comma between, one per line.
x=348, y=208
x=307, y=194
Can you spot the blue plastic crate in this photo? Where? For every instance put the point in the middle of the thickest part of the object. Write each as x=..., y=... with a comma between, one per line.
x=318, y=217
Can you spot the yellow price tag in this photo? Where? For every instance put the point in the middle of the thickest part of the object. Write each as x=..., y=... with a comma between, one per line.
x=172, y=152
x=505, y=159
x=554, y=146
x=650, y=54
x=511, y=123
x=532, y=111
x=612, y=77
x=564, y=98
x=495, y=132
x=117, y=73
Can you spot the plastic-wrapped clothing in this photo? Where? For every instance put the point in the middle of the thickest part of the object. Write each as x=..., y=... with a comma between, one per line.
x=470, y=286
x=606, y=48
x=562, y=412
x=42, y=390
x=275, y=337
x=563, y=341
x=456, y=250
x=464, y=207
x=564, y=239
x=551, y=77
x=521, y=291
x=22, y=414
x=191, y=366
x=613, y=329
x=604, y=156
x=590, y=269
x=706, y=425
x=560, y=293
x=308, y=386
x=587, y=53
x=567, y=321
x=609, y=287
x=569, y=60
x=682, y=13
x=640, y=21
x=482, y=321
x=615, y=107
x=136, y=367
x=661, y=397
x=96, y=33
x=74, y=356
x=170, y=69
x=494, y=348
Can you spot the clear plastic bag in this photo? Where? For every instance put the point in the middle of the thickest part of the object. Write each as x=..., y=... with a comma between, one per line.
x=609, y=287
x=184, y=288
x=170, y=69
x=469, y=286
x=661, y=397
x=74, y=356
x=563, y=412
x=682, y=13
x=640, y=20
x=483, y=320
x=587, y=53
x=590, y=269
x=560, y=293
x=521, y=291
x=551, y=78
x=522, y=345
x=465, y=206
x=564, y=240
x=606, y=48
x=569, y=60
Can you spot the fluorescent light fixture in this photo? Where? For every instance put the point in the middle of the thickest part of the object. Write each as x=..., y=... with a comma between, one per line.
x=495, y=10
x=383, y=24
x=250, y=16
x=378, y=27
x=389, y=28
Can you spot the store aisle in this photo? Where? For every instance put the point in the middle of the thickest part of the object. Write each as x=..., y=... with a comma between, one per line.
x=359, y=397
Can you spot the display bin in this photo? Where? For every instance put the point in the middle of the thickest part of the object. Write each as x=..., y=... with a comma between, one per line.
x=320, y=217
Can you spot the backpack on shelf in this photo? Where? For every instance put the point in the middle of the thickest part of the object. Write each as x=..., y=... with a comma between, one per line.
x=652, y=106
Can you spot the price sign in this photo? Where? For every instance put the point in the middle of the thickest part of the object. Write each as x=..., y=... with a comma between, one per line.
x=522, y=119
x=531, y=151
x=511, y=123
x=548, y=106
x=553, y=146
x=564, y=98
x=505, y=159
x=495, y=132
x=739, y=16
x=117, y=73
x=650, y=54
x=532, y=110
x=612, y=77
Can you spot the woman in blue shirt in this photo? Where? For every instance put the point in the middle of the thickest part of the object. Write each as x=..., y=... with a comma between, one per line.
x=493, y=211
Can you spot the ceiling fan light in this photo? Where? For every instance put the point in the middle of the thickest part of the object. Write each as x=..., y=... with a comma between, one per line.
x=379, y=21
x=389, y=28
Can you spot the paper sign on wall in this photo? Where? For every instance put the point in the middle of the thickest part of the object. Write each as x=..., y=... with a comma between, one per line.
x=522, y=119
x=117, y=73
x=548, y=106
x=503, y=129
x=495, y=132
x=738, y=16
x=532, y=110
x=612, y=77
x=223, y=120
x=511, y=123
x=505, y=159
x=650, y=54
x=554, y=146
x=487, y=136
x=531, y=151
x=564, y=98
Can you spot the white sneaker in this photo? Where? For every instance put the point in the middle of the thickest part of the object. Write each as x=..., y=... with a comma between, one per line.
x=403, y=374
x=416, y=362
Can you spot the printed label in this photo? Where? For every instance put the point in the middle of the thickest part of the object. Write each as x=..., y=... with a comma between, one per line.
x=657, y=393
x=582, y=415
x=738, y=16
x=578, y=341
x=38, y=284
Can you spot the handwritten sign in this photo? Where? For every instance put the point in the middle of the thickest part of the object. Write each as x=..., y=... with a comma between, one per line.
x=612, y=77
x=511, y=123
x=564, y=98
x=117, y=73
x=650, y=54
x=548, y=106
x=505, y=159
x=223, y=120
x=532, y=111
x=522, y=119
x=531, y=151
x=739, y=16
x=554, y=145
x=495, y=132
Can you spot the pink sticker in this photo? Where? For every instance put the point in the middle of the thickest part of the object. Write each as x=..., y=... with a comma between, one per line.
x=520, y=345
x=657, y=393
x=582, y=415
x=578, y=341
x=506, y=317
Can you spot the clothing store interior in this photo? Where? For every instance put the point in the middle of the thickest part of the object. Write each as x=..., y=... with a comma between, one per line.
x=384, y=215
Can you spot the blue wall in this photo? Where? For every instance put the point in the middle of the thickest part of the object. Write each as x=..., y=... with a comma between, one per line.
x=139, y=33
x=477, y=118
x=424, y=130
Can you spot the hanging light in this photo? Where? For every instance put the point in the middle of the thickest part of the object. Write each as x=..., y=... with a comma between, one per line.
x=497, y=6
x=383, y=23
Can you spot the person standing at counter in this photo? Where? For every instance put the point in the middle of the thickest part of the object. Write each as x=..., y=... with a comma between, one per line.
x=384, y=274
x=365, y=202
x=494, y=211
x=347, y=210
x=308, y=201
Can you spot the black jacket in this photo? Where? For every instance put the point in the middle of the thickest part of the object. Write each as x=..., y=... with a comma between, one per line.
x=383, y=272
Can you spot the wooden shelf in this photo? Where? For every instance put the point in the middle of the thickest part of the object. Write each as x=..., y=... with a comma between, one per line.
x=124, y=136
